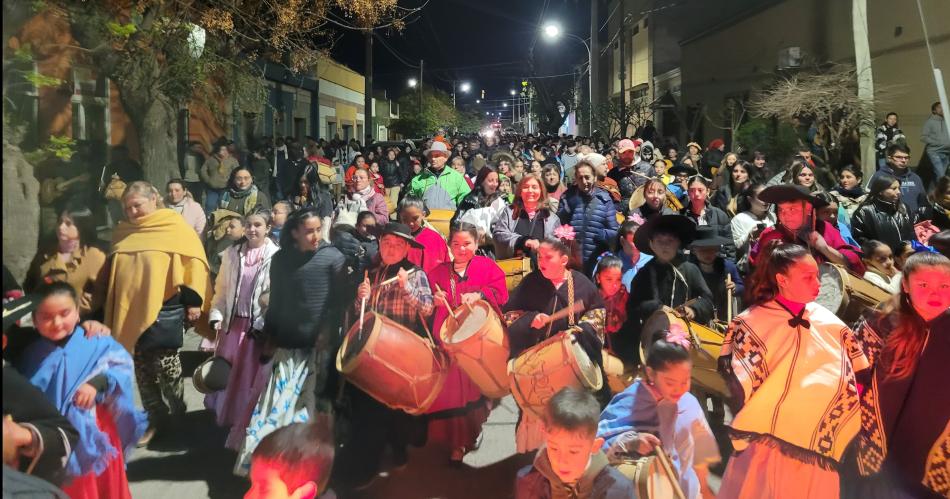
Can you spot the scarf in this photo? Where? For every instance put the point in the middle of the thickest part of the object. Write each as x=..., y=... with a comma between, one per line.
x=248, y=195
x=797, y=381
x=853, y=193
x=364, y=194
x=162, y=250
x=58, y=371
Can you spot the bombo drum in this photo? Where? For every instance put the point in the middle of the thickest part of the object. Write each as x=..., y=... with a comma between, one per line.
x=544, y=369
x=515, y=269
x=476, y=340
x=705, y=357
x=845, y=294
x=649, y=478
x=392, y=364
x=618, y=378
x=441, y=220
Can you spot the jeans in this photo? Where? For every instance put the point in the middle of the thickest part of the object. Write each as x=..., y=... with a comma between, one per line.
x=940, y=161
x=212, y=199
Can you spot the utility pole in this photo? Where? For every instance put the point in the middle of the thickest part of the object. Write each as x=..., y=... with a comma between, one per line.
x=421, y=63
x=623, y=72
x=594, y=64
x=368, y=90
x=862, y=63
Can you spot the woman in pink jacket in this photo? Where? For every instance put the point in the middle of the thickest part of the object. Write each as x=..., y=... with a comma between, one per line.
x=179, y=199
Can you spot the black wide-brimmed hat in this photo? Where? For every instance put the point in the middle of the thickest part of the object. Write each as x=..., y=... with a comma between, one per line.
x=681, y=168
x=212, y=375
x=786, y=192
x=683, y=227
x=707, y=236
x=400, y=230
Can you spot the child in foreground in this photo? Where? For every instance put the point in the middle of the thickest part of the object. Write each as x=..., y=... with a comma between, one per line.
x=571, y=464
x=89, y=379
x=293, y=462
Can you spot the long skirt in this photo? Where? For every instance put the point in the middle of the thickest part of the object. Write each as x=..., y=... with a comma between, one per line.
x=112, y=482
x=233, y=405
x=288, y=397
x=458, y=413
x=762, y=471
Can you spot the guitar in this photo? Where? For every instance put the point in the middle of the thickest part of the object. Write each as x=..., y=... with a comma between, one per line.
x=53, y=188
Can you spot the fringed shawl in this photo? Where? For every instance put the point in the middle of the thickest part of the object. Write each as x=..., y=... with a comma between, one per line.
x=797, y=383
x=59, y=371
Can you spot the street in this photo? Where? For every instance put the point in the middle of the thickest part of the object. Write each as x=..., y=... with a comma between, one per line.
x=190, y=460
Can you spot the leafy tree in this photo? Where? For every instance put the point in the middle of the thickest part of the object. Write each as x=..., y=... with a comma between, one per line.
x=437, y=112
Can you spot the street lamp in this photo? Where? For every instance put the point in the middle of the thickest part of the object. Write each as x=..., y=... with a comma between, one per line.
x=465, y=87
x=413, y=82
x=478, y=101
x=513, y=93
x=552, y=31
x=504, y=104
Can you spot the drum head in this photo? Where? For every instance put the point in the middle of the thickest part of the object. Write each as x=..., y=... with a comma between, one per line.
x=589, y=371
x=355, y=342
x=472, y=323
x=831, y=294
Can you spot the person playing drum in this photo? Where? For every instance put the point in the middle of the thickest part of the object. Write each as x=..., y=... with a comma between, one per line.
x=797, y=223
x=790, y=366
x=659, y=410
x=399, y=290
x=457, y=415
x=663, y=282
x=543, y=292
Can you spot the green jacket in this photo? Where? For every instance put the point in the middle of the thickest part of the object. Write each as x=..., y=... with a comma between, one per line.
x=451, y=181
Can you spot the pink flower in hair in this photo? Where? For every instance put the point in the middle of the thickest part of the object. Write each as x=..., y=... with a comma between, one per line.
x=636, y=217
x=679, y=336
x=564, y=232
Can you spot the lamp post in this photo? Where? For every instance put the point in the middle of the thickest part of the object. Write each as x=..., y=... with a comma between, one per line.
x=464, y=87
x=553, y=31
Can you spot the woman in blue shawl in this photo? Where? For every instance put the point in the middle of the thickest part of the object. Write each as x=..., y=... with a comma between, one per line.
x=90, y=381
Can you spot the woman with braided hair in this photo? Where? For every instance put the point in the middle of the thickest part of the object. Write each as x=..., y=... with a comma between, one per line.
x=551, y=288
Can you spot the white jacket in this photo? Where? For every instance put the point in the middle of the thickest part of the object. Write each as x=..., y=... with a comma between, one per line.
x=227, y=284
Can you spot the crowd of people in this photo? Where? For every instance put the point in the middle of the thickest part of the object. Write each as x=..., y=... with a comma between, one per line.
x=276, y=255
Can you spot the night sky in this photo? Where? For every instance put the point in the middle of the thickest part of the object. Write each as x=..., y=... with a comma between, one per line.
x=484, y=42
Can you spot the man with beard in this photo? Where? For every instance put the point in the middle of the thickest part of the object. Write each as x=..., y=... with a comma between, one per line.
x=630, y=174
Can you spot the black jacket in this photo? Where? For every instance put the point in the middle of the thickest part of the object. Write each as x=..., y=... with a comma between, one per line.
x=884, y=222
x=303, y=301
x=937, y=214
x=392, y=172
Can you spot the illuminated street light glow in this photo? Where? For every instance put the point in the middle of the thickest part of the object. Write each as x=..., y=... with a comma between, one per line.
x=413, y=82
x=552, y=30
x=465, y=87
x=513, y=92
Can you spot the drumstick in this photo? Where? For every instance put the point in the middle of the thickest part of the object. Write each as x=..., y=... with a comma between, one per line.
x=394, y=279
x=564, y=312
x=664, y=461
x=728, y=298
x=363, y=307
x=446, y=301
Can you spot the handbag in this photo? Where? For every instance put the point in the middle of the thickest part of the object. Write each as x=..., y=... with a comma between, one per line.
x=168, y=330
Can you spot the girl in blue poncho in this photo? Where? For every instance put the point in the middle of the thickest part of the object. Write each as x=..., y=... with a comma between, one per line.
x=90, y=381
x=658, y=410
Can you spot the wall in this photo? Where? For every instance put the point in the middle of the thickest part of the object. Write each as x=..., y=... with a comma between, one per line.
x=721, y=63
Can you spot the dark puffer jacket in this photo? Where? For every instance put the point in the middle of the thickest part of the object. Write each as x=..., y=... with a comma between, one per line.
x=594, y=218
x=884, y=222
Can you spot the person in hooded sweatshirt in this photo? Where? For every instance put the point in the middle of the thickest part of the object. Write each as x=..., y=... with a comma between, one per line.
x=571, y=464
x=912, y=187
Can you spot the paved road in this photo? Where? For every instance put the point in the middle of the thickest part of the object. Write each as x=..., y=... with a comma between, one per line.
x=190, y=461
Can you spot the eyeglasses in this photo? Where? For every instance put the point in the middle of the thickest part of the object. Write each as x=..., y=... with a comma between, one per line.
x=901, y=157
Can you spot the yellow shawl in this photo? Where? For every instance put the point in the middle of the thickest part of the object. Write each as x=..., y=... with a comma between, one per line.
x=150, y=260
